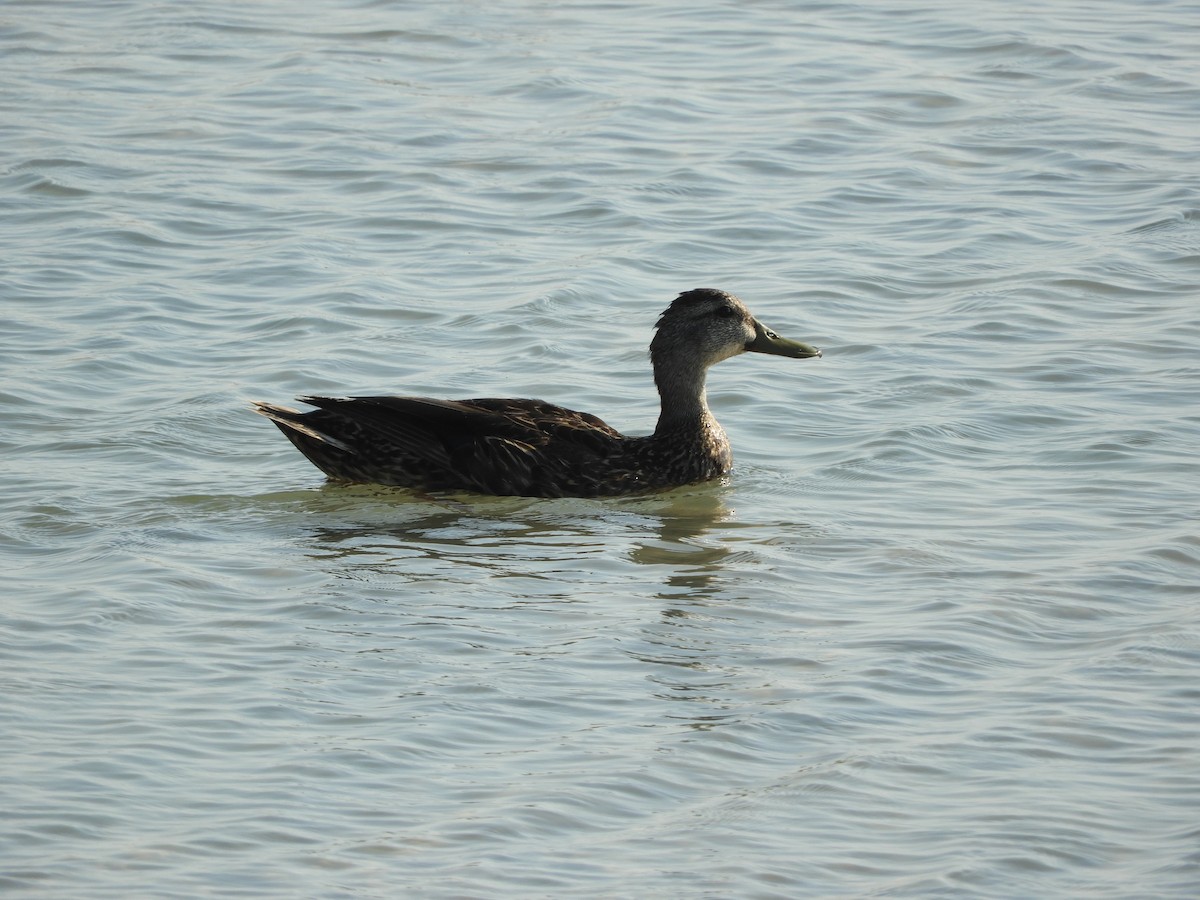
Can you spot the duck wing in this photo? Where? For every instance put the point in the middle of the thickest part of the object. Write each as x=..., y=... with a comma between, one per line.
x=489, y=445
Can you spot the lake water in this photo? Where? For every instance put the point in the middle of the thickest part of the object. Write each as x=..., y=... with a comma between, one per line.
x=938, y=635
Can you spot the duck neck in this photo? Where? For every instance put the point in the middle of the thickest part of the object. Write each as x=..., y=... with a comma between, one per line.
x=680, y=384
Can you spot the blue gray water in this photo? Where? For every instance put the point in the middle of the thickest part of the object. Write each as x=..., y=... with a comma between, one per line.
x=937, y=636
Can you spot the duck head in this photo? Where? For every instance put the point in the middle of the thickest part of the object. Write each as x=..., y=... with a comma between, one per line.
x=710, y=325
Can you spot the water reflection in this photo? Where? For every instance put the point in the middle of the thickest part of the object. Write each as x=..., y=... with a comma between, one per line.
x=521, y=536
x=532, y=578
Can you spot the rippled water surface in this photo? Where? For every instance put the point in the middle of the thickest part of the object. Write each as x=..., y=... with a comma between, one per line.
x=937, y=635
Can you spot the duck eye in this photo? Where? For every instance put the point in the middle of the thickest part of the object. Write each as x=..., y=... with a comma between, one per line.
x=725, y=312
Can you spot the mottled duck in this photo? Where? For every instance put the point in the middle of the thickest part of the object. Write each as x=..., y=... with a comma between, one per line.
x=536, y=449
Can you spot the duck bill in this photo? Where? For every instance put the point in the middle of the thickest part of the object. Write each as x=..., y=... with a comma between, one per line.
x=767, y=341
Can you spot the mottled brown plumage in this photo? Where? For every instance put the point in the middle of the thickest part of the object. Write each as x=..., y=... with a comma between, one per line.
x=536, y=449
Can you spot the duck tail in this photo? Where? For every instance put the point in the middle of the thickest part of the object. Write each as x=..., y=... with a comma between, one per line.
x=292, y=420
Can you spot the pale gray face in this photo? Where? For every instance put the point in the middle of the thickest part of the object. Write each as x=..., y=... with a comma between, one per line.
x=713, y=325
x=710, y=324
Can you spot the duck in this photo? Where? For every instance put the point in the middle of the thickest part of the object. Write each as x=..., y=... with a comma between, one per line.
x=531, y=448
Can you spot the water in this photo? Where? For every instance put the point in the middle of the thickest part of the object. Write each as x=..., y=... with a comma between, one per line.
x=938, y=635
